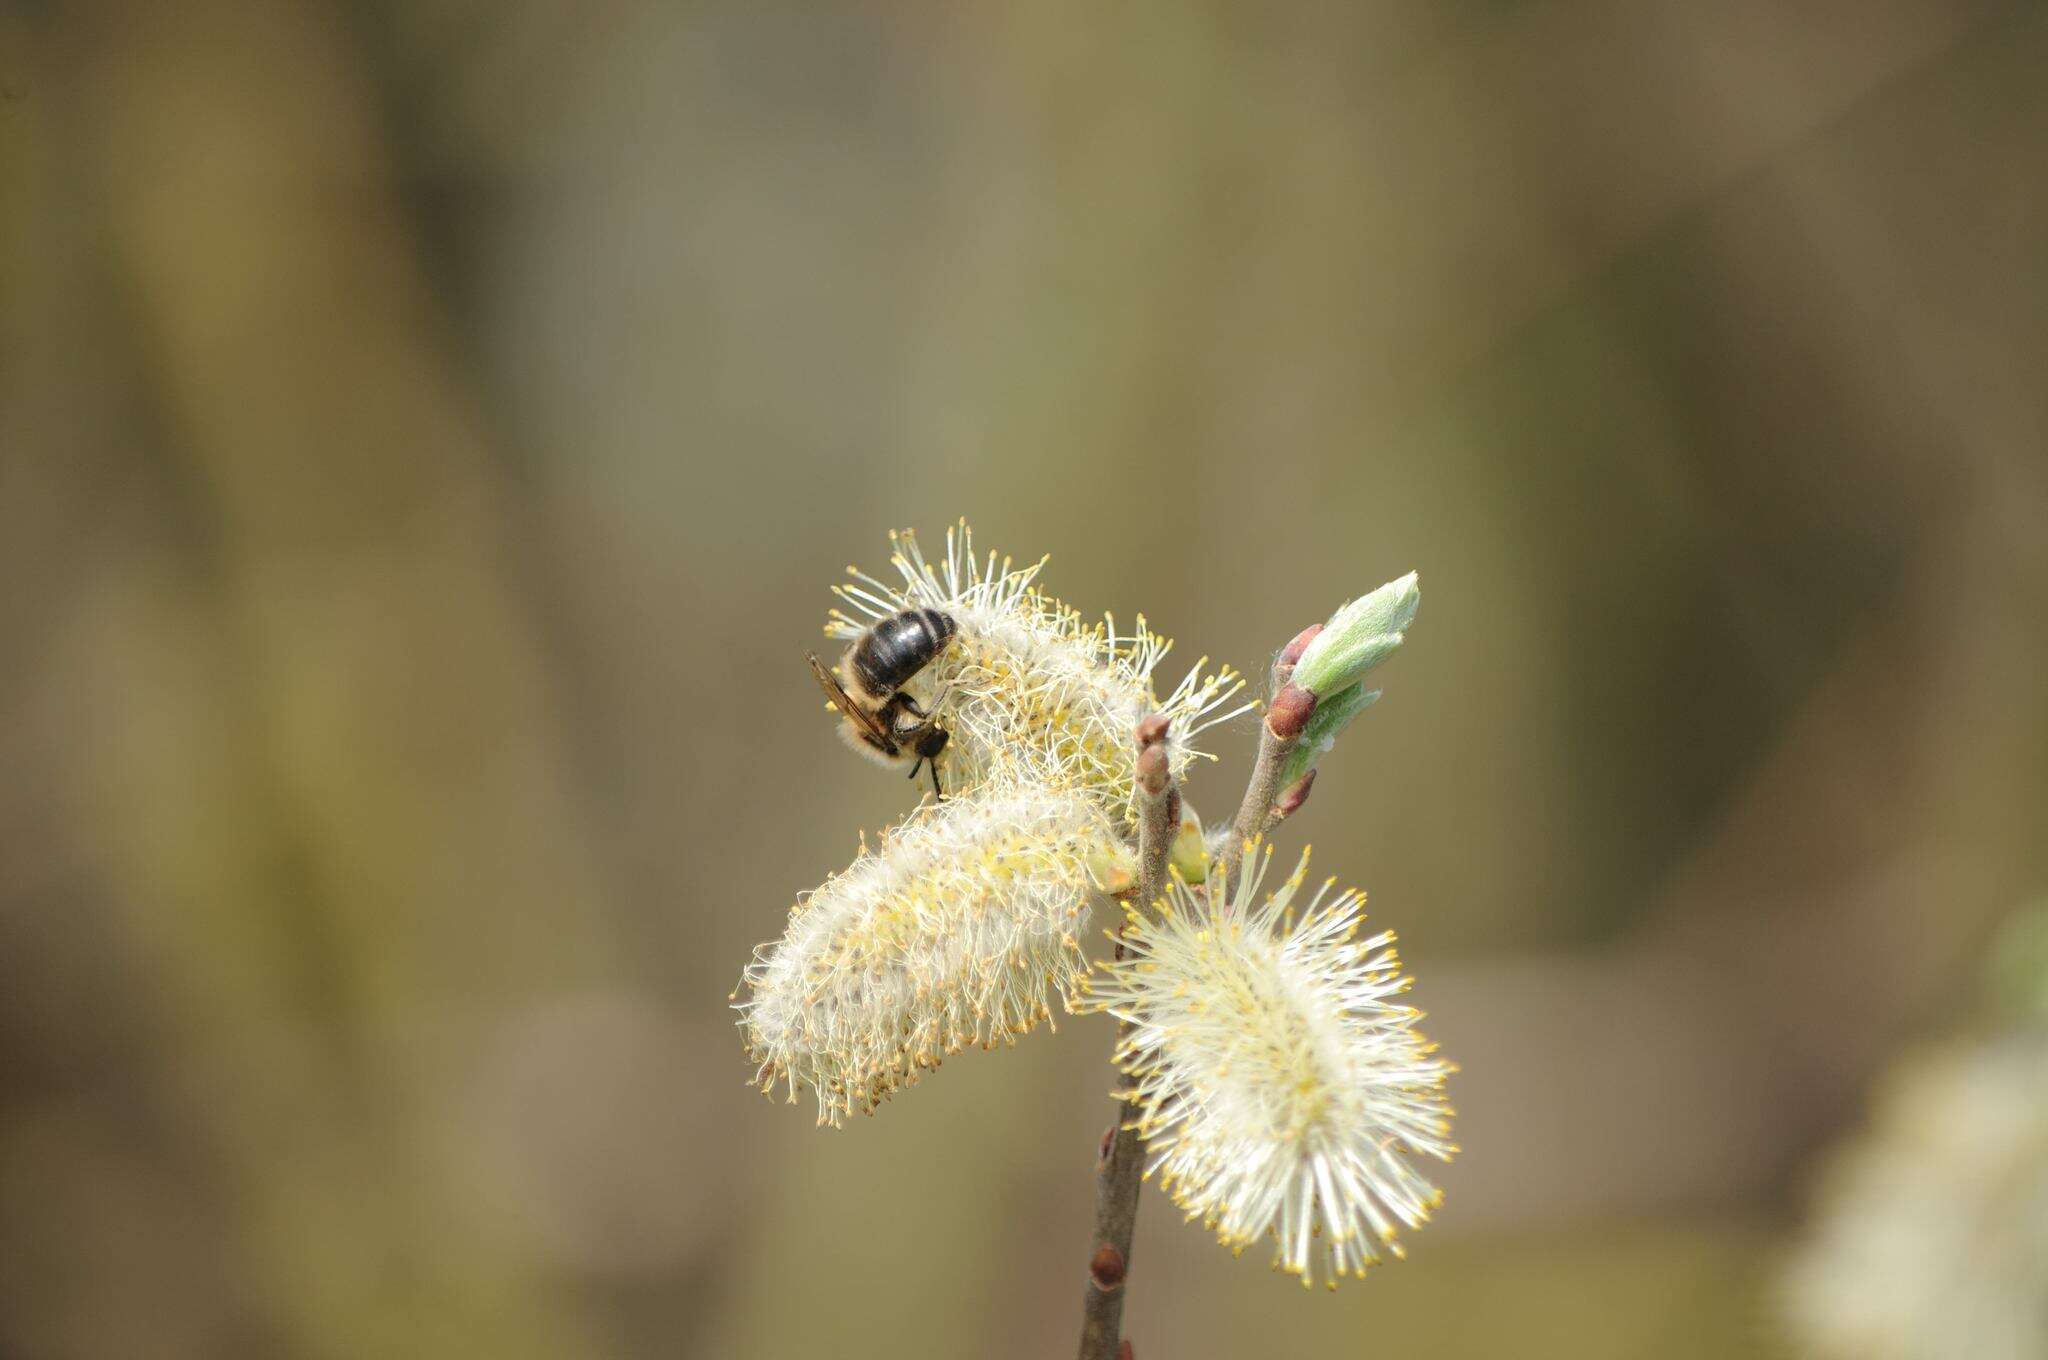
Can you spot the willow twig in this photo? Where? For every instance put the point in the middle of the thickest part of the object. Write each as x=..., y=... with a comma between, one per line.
x=1120, y=1168
x=1287, y=713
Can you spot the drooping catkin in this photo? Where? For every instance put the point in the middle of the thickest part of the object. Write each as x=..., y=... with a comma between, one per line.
x=956, y=929
x=1281, y=1088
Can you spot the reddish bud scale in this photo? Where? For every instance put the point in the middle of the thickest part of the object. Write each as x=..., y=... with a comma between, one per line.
x=1290, y=802
x=1152, y=771
x=1106, y=1268
x=1291, y=653
x=1290, y=711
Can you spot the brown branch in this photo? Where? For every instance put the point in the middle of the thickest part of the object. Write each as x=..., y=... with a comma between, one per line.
x=1287, y=714
x=1119, y=1170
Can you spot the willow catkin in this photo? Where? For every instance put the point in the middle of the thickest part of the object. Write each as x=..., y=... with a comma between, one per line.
x=1281, y=1088
x=956, y=929
x=1028, y=691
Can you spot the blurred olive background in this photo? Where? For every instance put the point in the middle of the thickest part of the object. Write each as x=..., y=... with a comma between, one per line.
x=428, y=431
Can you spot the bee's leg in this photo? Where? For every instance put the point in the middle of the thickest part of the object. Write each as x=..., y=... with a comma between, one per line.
x=929, y=740
x=929, y=762
x=910, y=705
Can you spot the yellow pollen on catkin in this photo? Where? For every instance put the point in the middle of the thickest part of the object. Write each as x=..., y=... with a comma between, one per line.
x=1283, y=1091
x=954, y=930
x=1027, y=690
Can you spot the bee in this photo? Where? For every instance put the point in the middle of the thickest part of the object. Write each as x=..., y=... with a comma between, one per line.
x=867, y=688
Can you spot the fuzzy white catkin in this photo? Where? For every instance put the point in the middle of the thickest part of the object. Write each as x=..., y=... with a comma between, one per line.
x=955, y=930
x=1281, y=1089
x=1931, y=1233
x=1027, y=690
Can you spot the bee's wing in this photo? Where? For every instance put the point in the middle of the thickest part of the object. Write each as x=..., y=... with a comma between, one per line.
x=843, y=701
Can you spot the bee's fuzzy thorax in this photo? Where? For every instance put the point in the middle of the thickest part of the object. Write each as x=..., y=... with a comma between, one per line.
x=955, y=930
x=1029, y=690
x=1280, y=1086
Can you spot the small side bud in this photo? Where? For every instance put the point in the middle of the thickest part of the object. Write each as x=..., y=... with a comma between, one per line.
x=1112, y=867
x=1291, y=654
x=1152, y=769
x=1106, y=1268
x=1290, y=802
x=1188, y=856
x=1151, y=730
x=1290, y=710
x=1124, y=1351
x=1358, y=637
